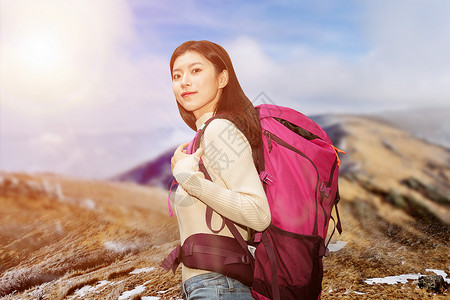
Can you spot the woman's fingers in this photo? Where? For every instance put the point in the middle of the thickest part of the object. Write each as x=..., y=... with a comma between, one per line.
x=199, y=152
x=181, y=147
x=181, y=153
x=172, y=164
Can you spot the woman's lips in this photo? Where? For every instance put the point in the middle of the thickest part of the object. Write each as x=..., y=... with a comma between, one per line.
x=185, y=94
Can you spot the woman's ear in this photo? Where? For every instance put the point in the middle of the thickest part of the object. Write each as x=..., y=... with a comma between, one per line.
x=223, y=79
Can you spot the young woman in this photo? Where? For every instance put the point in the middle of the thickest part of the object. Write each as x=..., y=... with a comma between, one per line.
x=205, y=84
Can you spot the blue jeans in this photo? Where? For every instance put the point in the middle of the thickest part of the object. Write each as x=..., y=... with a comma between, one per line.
x=214, y=286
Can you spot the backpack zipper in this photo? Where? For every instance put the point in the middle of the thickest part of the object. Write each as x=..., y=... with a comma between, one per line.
x=270, y=136
x=269, y=140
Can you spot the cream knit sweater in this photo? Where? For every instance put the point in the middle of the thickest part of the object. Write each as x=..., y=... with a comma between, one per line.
x=236, y=191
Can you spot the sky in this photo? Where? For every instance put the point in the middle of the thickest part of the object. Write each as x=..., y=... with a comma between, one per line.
x=102, y=66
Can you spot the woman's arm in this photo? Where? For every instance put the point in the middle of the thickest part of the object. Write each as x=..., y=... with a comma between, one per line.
x=228, y=155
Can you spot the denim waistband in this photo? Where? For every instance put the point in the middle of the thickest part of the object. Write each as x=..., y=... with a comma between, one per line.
x=208, y=279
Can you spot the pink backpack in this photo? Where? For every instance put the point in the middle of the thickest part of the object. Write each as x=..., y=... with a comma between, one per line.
x=298, y=166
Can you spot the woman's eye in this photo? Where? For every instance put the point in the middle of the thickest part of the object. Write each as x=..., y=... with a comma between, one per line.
x=176, y=76
x=196, y=70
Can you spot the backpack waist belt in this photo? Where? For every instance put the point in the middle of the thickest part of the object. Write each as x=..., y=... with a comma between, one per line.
x=214, y=253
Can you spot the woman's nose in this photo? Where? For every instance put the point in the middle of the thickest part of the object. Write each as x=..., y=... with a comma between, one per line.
x=185, y=81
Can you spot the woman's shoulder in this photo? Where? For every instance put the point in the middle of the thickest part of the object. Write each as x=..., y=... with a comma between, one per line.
x=224, y=130
x=221, y=123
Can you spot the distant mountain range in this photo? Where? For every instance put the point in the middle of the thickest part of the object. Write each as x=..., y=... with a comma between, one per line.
x=156, y=172
x=139, y=156
x=431, y=125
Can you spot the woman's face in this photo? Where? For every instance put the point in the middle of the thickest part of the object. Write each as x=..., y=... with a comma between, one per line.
x=196, y=84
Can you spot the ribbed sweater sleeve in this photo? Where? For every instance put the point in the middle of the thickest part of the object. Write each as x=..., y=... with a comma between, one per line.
x=227, y=157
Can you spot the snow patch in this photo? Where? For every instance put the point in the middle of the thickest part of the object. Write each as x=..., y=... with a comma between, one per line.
x=136, y=291
x=89, y=204
x=102, y=283
x=58, y=227
x=84, y=290
x=53, y=190
x=150, y=298
x=119, y=247
x=90, y=289
x=115, y=247
x=336, y=246
x=405, y=277
x=137, y=271
x=393, y=279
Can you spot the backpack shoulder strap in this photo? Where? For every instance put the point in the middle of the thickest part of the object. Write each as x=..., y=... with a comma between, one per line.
x=209, y=211
x=201, y=131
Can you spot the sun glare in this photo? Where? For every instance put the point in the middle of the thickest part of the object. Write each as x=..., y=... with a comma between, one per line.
x=41, y=52
x=49, y=53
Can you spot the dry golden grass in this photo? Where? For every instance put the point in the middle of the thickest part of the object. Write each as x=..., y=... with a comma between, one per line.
x=384, y=239
x=97, y=231
x=59, y=235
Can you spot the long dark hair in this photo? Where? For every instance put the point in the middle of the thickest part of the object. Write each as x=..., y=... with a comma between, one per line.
x=233, y=101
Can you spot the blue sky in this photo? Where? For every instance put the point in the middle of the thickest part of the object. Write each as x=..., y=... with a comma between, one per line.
x=328, y=27
x=101, y=66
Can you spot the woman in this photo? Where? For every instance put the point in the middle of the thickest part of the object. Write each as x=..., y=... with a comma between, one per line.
x=205, y=84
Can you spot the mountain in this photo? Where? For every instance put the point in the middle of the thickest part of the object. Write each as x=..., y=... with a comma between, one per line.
x=98, y=155
x=430, y=125
x=68, y=238
x=156, y=172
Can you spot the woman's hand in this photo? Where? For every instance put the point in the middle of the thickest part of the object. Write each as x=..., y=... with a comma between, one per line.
x=180, y=153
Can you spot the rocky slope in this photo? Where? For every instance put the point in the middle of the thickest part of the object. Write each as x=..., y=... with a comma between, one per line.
x=65, y=238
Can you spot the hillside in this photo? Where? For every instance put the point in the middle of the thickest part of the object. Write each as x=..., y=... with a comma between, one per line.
x=65, y=238
x=61, y=234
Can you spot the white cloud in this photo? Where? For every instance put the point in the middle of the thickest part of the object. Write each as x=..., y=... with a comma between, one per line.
x=106, y=86
x=104, y=75
x=50, y=139
x=302, y=76
x=406, y=65
x=410, y=49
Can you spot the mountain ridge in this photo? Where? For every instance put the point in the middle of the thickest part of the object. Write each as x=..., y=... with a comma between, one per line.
x=69, y=238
